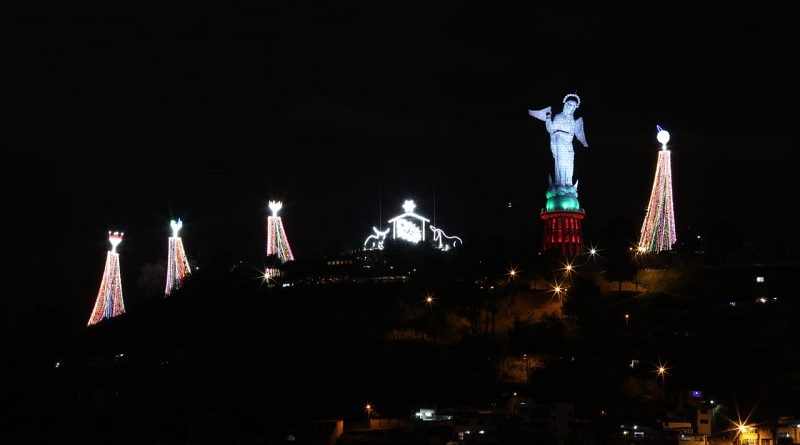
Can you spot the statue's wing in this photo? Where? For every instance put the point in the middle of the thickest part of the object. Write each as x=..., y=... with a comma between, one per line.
x=579, y=132
x=540, y=114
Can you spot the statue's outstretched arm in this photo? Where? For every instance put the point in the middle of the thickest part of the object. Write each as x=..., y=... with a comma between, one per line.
x=579, y=133
x=542, y=114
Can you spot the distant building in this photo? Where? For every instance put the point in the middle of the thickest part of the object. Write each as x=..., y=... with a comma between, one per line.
x=680, y=427
x=560, y=422
x=553, y=420
x=751, y=435
x=692, y=439
x=787, y=431
x=703, y=420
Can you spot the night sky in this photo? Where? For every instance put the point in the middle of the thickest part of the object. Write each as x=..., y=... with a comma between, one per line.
x=126, y=114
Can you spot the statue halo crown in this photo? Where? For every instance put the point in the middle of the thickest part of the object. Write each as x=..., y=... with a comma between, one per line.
x=573, y=97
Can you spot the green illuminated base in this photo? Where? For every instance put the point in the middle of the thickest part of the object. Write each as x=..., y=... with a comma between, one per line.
x=561, y=197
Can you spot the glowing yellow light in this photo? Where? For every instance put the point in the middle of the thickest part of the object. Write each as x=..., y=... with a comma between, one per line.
x=567, y=268
x=627, y=316
x=558, y=290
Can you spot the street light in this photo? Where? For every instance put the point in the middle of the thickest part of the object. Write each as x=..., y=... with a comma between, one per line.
x=593, y=253
x=512, y=276
x=627, y=322
x=525, y=359
x=745, y=433
x=661, y=371
x=368, y=409
x=567, y=268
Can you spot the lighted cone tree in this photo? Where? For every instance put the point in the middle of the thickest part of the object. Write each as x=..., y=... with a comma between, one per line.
x=109, y=299
x=177, y=265
x=658, y=230
x=277, y=242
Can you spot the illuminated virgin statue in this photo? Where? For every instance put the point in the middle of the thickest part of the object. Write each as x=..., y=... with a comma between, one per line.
x=562, y=128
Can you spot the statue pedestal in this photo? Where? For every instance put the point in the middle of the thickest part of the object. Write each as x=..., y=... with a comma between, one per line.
x=562, y=197
x=562, y=218
x=562, y=232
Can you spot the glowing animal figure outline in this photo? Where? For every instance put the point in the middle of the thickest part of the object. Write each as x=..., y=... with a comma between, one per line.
x=438, y=234
x=378, y=238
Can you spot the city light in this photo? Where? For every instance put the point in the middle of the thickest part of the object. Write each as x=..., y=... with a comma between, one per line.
x=592, y=252
x=567, y=268
x=662, y=370
x=368, y=409
x=558, y=290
